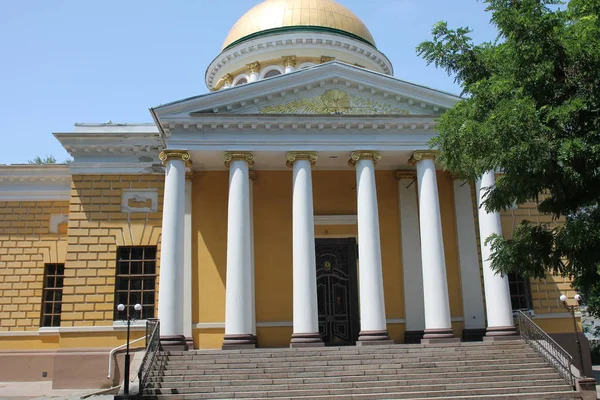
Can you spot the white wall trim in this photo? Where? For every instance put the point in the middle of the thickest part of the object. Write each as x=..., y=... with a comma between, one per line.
x=336, y=219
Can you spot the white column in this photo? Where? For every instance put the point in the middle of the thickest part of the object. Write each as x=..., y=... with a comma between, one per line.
x=435, y=286
x=497, y=292
x=238, y=302
x=306, y=312
x=411, y=256
x=470, y=275
x=373, y=324
x=187, y=262
x=253, y=71
x=252, y=175
x=170, y=294
x=289, y=64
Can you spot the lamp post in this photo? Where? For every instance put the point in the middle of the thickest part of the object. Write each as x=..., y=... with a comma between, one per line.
x=129, y=318
x=563, y=298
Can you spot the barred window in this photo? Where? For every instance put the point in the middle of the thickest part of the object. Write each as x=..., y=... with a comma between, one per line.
x=136, y=279
x=520, y=294
x=54, y=275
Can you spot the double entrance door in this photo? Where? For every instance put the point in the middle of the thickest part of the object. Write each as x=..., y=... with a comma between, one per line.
x=337, y=291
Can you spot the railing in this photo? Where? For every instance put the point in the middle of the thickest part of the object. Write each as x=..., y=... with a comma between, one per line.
x=546, y=347
x=151, y=356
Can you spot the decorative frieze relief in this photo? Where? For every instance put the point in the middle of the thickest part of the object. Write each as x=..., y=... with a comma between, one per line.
x=334, y=101
x=136, y=201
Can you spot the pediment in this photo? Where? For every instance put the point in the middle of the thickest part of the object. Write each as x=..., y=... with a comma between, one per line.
x=333, y=88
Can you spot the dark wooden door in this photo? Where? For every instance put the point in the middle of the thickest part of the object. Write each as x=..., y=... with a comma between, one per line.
x=337, y=291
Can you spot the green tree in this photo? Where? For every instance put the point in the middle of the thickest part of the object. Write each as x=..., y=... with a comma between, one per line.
x=44, y=160
x=531, y=109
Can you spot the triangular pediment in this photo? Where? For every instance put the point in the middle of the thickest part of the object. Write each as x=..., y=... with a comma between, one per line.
x=333, y=88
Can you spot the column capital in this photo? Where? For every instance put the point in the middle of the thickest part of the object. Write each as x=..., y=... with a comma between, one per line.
x=301, y=155
x=403, y=174
x=253, y=68
x=289, y=61
x=422, y=155
x=363, y=155
x=238, y=156
x=227, y=79
x=182, y=155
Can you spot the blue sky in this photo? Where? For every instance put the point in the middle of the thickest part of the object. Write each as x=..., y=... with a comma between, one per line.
x=69, y=61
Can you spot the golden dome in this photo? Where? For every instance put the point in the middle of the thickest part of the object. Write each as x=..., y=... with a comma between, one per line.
x=273, y=14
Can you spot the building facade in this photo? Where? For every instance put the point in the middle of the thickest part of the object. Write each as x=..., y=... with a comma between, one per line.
x=296, y=204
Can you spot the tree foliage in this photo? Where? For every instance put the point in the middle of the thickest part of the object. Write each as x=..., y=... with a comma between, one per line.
x=43, y=160
x=531, y=109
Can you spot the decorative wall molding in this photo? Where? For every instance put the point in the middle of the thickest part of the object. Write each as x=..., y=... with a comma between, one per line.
x=139, y=200
x=336, y=219
x=58, y=223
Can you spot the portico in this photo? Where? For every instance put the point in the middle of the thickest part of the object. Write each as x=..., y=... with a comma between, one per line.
x=435, y=316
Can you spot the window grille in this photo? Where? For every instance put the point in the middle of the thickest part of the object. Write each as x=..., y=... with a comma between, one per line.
x=520, y=293
x=136, y=279
x=54, y=275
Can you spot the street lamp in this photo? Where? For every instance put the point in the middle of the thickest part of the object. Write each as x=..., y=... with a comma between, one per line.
x=129, y=318
x=563, y=298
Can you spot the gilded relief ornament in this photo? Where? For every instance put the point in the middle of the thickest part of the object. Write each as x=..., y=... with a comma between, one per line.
x=422, y=155
x=334, y=101
x=253, y=68
x=183, y=155
x=238, y=155
x=289, y=61
x=325, y=59
x=363, y=155
x=301, y=155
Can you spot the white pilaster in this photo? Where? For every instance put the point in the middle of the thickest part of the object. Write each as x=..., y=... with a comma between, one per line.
x=171, y=293
x=497, y=292
x=373, y=325
x=187, y=260
x=470, y=275
x=238, y=302
x=306, y=313
x=411, y=255
x=435, y=286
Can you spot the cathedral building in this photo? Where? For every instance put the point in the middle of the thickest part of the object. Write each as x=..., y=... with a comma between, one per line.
x=296, y=203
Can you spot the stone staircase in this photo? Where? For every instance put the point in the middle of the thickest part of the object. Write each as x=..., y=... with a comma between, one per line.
x=476, y=370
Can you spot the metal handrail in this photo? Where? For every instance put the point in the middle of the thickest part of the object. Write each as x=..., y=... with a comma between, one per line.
x=547, y=347
x=152, y=348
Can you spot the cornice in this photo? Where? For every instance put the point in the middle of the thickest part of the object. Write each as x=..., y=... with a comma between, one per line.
x=29, y=183
x=288, y=42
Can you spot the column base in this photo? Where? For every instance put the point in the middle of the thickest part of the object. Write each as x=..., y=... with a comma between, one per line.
x=501, y=333
x=373, y=338
x=173, y=343
x=444, y=335
x=413, y=337
x=189, y=341
x=239, y=342
x=306, y=340
x=473, y=335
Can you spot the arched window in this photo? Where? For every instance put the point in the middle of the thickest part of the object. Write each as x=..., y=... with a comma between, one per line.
x=242, y=81
x=272, y=73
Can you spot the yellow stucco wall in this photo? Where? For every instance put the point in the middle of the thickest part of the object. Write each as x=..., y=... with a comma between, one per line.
x=96, y=228
x=26, y=245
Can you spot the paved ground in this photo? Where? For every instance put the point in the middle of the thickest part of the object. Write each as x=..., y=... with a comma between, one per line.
x=43, y=390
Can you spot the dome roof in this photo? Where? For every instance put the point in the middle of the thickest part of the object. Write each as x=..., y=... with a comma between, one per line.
x=325, y=15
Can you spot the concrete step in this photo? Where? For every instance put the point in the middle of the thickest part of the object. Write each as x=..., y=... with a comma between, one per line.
x=382, y=393
x=397, y=385
x=408, y=375
x=238, y=359
x=356, y=381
